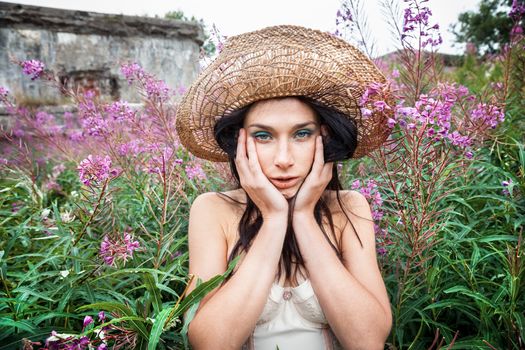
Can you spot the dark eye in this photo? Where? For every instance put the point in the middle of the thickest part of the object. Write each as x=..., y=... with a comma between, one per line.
x=302, y=134
x=261, y=136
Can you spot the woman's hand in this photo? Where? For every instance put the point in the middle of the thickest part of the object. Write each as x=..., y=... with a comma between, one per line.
x=263, y=193
x=314, y=184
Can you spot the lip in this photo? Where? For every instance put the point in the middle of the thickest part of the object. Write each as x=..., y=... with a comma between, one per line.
x=284, y=182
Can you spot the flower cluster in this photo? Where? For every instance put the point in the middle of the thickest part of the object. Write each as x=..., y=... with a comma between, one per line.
x=486, y=114
x=433, y=115
x=33, y=68
x=3, y=92
x=131, y=148
x=343, y=20
x=120, y=248
x=92, y=120
x=51, y=184
x=120, y=111
x=58, y=341
x=417, y=23
x=373, y=100
x=195, y=171
x=156, y=90
x=507, y=187
x=132, y=72
x=95, y=169
x=517, y=10
x=371, y=193
x=161, y=160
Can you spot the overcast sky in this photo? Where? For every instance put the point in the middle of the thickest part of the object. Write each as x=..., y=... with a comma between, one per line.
x=232, y=17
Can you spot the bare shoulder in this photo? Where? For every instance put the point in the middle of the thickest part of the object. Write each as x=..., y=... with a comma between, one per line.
x=219, y=202
x=352, y=213
x=222, y=210
x=353, y=202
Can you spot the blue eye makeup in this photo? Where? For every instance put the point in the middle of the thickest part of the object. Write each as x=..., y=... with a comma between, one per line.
x=261, y=135
x=304, y=133
x=266, y=136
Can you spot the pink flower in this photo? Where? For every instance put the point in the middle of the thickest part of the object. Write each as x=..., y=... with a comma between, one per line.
x=181, y=90
x=101, y=316
x=395, y=73
x=132, y=71
x=490, y=115
x=120, y=111
x=161, y=160
x=517, y=11
x=87, y=321
x=133, y=147
x=120, y=248
x=76, y=136
x=365, y=112
x=195, y=171
x=391, y=123
x=381, y=106
x=95, y=169
x=157, y=89
x=507, y=187
x=3, y=92
x=95, y=126
x=33, y=68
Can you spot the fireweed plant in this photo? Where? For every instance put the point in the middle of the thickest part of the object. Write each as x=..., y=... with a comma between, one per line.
x=94, y=205
x=94, y=220
x=448, y=225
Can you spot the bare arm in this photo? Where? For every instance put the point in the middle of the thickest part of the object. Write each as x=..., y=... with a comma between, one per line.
x=227, y=316
x=353, y=295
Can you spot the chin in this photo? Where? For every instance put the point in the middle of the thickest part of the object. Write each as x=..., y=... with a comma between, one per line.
x=289, y=193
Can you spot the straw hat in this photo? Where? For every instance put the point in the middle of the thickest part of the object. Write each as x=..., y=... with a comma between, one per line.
x=276, y=62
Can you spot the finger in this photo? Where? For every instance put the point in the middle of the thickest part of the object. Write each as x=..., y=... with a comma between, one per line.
x=318, y=155
x=253, y=160
x=241, y=144
x=241, y=161
x=327, y=170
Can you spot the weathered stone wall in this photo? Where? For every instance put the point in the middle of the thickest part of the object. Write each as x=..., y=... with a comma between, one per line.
x=86, y=49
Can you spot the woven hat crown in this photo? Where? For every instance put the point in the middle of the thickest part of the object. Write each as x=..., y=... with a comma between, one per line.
x=277, y=62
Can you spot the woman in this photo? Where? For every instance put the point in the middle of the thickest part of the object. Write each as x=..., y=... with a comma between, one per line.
x=281, y=105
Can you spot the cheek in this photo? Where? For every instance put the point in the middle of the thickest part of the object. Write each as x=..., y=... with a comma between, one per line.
x=306, y=152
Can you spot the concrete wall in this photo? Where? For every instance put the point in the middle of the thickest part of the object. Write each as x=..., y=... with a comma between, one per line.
x=85, y=49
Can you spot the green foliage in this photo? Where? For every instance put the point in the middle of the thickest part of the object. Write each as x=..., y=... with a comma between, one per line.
x=488, y=28
x=51, y=277
x=208, y=47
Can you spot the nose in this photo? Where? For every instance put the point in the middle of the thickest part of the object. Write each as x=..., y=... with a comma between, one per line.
x=283, y=157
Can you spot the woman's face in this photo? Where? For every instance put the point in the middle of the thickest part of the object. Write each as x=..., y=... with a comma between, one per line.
x=284, y=131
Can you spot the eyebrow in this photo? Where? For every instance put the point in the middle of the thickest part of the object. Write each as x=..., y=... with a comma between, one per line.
x=267, y=127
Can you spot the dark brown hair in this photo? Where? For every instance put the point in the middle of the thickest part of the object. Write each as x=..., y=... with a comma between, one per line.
x=339, y=144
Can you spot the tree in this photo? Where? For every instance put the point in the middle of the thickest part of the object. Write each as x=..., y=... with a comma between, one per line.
x=208, y=47
x=490, y=27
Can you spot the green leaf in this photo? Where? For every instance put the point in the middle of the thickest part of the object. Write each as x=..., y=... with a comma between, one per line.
x=29, y=291
x=122, y=309
x=154, y=292
x=158, y=328
x=199, y=292
x=23, y=325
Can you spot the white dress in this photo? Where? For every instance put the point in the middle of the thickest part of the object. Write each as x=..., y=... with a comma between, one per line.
x=292, y=319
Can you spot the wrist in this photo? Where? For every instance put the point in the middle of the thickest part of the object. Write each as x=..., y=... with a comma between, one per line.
x=275, y=219
x=303, y=218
